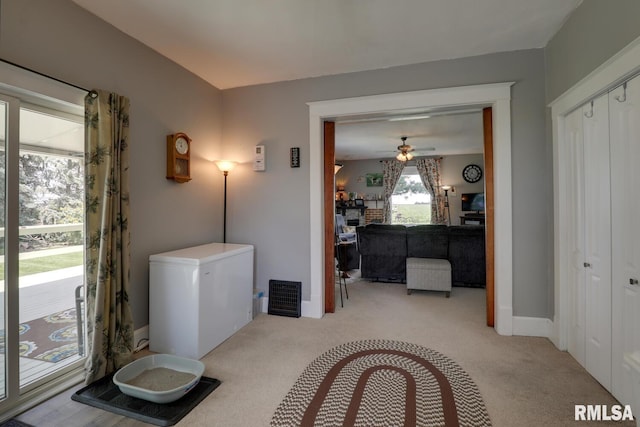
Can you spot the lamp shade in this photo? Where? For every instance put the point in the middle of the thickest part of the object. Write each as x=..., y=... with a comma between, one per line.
x=336, y=168
x=225, y=165
x=403, y=157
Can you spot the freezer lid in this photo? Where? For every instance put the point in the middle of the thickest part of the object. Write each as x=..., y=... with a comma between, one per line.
x=202, y=254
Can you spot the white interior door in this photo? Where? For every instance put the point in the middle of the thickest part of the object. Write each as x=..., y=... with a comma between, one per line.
x=575, y=235
x=625, y=210
x=597, y=240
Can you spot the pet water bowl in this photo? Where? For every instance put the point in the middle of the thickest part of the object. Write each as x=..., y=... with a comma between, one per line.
x=167, y=386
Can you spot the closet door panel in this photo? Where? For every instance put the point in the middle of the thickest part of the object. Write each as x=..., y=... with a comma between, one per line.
x=575, y=235
x=597, y=240
x=624, y=104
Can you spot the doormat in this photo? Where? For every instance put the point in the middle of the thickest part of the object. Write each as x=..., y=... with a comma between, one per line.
x=104, y=394
x=15, y=423
x=50, y=338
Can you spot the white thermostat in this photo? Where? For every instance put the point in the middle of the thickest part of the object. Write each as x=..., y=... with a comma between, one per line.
x=259, y=158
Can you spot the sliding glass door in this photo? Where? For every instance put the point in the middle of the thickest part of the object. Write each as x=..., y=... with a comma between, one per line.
x=41, y=246
x=50, y=259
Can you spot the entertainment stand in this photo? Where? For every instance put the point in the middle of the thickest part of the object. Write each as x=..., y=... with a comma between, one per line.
x=475, y=217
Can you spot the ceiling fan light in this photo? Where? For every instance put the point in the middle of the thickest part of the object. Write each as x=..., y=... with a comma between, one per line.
x=400, y=157
x=409, y=156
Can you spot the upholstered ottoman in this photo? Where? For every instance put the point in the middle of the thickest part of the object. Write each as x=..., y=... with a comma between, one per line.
x=429, y=274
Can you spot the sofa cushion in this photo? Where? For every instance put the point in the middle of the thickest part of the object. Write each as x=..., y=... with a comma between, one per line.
x=382, y=239
x=428, y=241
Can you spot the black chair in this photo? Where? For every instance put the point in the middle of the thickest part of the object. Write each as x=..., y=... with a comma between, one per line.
x=341, y=266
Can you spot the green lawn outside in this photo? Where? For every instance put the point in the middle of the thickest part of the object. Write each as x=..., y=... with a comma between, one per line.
x=412, y=214
x=47, y=263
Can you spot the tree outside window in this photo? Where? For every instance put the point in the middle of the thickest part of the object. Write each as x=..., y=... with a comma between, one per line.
x=410, y=202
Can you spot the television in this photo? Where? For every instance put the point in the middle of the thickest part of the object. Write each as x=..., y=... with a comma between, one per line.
x=473, y=202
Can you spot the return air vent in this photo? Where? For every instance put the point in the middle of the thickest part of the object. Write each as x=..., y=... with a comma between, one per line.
x=285, y=298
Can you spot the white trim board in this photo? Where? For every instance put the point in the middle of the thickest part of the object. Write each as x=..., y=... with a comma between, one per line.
x=617, y=69
x=532, y=326
x=141, y=334
x=498, y=96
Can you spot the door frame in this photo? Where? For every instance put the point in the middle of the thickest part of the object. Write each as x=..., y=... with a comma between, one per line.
x=30, y=88
x=498, y=97
x=614, y=71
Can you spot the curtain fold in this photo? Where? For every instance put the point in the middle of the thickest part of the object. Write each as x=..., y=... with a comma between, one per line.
x=107, y=258
x=391, y=172
x=429, y=171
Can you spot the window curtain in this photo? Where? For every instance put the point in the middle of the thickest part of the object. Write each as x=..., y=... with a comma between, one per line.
x=429, y=171
x=109, y=320
x=391, y=172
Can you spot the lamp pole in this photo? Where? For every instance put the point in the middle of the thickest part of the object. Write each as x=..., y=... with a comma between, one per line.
x=446, y=189
x=224, y=226
x=225, y=166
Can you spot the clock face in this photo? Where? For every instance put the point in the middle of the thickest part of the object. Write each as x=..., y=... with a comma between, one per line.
x=472, y=173
x=182, y=146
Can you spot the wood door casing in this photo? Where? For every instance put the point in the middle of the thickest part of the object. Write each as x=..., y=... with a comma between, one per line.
x=329, y=215
x=329, y=135
x=489, y=197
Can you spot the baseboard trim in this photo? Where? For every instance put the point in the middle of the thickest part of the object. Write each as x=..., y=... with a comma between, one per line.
x=140, y=338
x=532, y=326
x=306, y=308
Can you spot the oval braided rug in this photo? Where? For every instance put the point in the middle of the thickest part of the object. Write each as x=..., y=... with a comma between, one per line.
x=382, y=383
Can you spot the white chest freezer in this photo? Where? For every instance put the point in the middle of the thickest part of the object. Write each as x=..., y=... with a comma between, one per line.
x=199, y=297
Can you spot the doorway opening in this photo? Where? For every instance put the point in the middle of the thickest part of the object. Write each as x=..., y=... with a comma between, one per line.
x=496, y=96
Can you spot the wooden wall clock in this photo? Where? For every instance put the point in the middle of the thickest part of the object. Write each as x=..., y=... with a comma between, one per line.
x=179, y=157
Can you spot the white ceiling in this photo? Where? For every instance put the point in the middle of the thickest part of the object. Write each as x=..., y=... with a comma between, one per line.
x=441, y=133
x=233, y=43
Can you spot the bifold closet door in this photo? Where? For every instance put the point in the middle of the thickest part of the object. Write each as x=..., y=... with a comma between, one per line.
x=597, y=240
x=574, y=193
x=589, y=237
x=624, y=103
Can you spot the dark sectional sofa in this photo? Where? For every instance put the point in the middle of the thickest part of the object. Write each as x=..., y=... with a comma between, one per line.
x=384, y=249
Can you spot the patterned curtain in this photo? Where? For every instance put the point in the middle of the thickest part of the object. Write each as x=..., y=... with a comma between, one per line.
x=429, y=170
x=391, y=172
x=109, y=320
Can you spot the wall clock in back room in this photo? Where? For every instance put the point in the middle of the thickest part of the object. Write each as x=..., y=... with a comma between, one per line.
x=472, y=173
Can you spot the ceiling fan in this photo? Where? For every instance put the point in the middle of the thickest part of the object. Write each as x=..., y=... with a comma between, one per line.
x=404, y=150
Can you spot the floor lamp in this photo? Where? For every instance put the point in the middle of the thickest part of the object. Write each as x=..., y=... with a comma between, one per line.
x=225, y=167
x=446, y=189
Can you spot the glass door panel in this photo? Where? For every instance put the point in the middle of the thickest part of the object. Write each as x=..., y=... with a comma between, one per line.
x=51, y=202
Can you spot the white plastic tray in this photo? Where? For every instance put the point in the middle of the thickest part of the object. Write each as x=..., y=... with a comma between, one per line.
x=169, y=361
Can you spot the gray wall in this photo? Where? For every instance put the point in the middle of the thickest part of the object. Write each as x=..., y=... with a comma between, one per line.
x=273, y=211
x=354, y=171
x=58, y=38
x=595, y=32
x=592, y=34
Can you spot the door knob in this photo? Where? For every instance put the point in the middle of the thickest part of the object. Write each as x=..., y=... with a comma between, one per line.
x=633, y=281
x=586, y=264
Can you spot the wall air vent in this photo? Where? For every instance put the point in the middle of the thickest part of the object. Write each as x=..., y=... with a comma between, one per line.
x=285, y=298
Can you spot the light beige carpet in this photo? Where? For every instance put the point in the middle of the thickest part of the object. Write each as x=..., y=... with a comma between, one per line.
x=523, y=381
